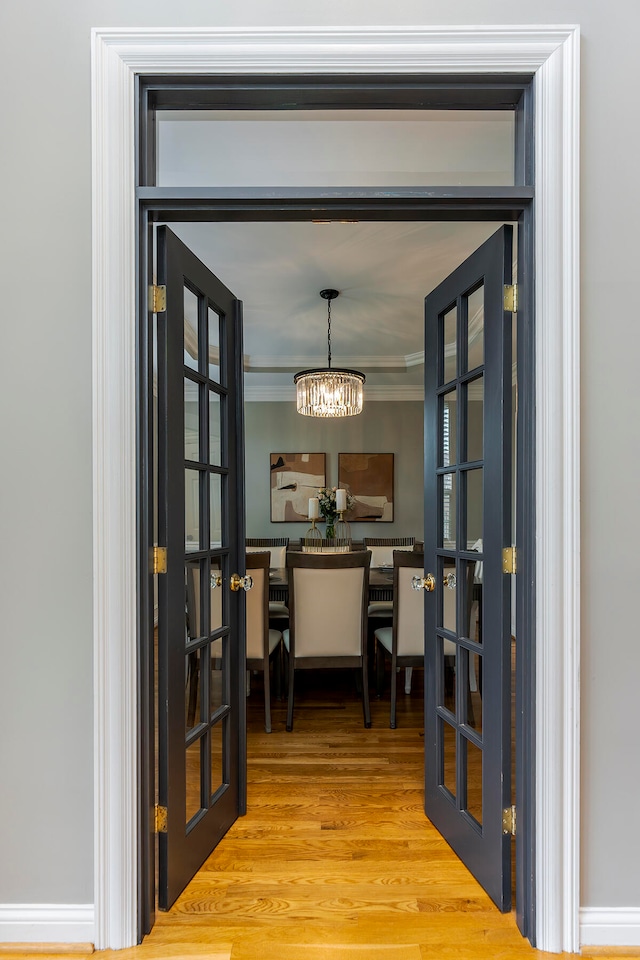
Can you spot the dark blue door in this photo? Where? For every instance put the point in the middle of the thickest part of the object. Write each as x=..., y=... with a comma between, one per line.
x=201, y=739
x=468, y=391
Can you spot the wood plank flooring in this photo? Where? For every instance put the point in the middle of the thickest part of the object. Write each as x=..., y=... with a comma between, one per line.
x=335, y=859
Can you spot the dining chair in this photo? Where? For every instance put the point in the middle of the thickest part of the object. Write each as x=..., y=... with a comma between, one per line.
x=403, y=642
x=328, y=545
x=380, y=612
x=263, y=643
x=193, y=631
x=277, y=547
x=328, y=617
x=382, y=548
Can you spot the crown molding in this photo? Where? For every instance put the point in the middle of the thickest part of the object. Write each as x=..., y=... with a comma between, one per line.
x=414, y=359
x=377, y=392
x=258, y=364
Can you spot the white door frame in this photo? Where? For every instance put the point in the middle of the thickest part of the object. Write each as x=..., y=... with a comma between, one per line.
x=552, y=54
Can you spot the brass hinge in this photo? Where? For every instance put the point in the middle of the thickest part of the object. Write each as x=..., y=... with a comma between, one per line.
x=511, y=297
x=160, y=819
x=509, y=821
x=159, y=559
x=509, y=560
x=158, y=298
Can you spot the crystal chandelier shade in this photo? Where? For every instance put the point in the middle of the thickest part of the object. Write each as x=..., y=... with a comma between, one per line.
x=329, y=392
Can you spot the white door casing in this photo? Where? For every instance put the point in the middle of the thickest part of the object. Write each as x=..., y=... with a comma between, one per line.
x=552, y=54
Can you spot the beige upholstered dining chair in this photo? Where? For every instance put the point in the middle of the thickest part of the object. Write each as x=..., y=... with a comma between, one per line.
x=382, y=548
x=380, y=612
x=193, y=632
x=328, y=616
x=277, y=547
x=403, y=642
x=263, y=643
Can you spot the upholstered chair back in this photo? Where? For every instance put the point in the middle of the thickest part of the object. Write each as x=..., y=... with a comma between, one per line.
x=257, y=604
x=277, y=547
x=410, y=608
x=328, y=603
x=194, y=609
x=328, y=612
x=382, y=548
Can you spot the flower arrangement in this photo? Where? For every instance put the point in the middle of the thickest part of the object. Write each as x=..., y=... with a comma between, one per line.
x=327, y=500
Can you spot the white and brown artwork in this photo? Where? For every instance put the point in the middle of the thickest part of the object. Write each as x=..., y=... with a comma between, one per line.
x=295, y=477
x=368, y=477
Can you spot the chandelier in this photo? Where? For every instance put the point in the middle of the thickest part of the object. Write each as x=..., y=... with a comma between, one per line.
x=329, y=392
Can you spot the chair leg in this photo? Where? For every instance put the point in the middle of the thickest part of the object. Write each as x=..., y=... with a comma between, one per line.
x=277, y=670
x=194, y=675
x=365, y=694
x=267, y=695
x=407, y=679
x=473, y=684
x=380, y=661
x=449, y=677
x=290, y=697
x=394, y=689
x=371, y=642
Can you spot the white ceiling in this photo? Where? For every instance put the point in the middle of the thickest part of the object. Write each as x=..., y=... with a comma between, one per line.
x=383, y=270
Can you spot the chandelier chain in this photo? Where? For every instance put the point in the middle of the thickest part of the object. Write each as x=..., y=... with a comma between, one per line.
x=329, y=333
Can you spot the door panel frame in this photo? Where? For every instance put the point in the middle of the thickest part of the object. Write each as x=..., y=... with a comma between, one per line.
x=552, y=55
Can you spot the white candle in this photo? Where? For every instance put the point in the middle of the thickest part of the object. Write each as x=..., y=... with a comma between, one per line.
x=314, y=508
x=341, y=500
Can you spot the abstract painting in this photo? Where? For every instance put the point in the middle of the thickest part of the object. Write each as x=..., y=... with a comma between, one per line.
x=295, y=477
x=368, y=477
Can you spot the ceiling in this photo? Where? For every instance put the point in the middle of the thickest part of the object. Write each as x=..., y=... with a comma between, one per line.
x=383, y=270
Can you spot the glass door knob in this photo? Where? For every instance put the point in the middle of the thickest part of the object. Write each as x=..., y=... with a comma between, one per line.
x=240, y=583
x=427, y=583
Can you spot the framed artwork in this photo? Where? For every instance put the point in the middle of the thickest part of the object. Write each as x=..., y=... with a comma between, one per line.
x=295, y=477
x=368, y=477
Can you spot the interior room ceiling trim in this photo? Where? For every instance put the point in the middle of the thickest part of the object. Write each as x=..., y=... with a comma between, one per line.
x=549, y=52
x=382, y=392
x=255, y=363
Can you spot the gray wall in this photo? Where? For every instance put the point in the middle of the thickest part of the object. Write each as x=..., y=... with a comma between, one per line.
x=381, y=428
x=45, y=410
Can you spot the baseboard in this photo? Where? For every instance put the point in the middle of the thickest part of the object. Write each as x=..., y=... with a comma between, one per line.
x=615, y=927
x=46, y=923
x=48, y=949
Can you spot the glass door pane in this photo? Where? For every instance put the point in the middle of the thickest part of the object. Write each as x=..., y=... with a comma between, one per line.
x=398, y=148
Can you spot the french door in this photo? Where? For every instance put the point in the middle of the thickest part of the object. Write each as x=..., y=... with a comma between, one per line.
x=201, y=746
x=468, y=389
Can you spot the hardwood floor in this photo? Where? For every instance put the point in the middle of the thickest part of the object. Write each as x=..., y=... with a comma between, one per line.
x=335, y=859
